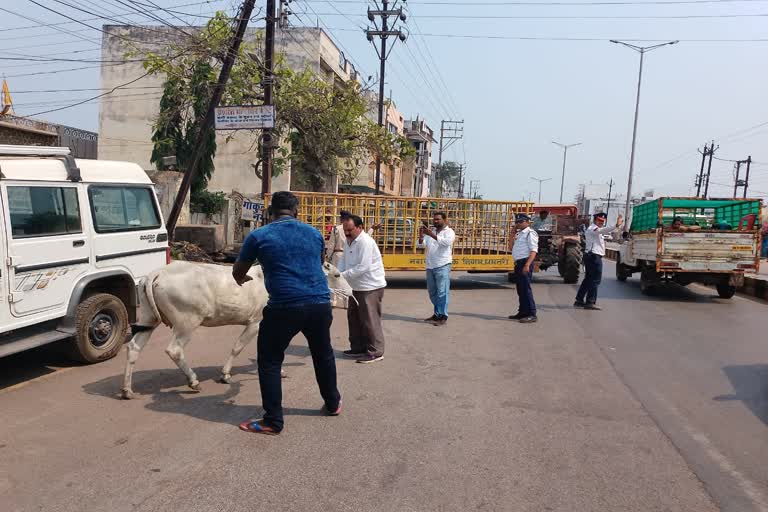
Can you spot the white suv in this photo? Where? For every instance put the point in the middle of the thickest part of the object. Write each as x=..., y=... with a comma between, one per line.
x=76, y=237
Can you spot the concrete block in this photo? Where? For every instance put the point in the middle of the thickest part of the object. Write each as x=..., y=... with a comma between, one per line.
x=210, y=238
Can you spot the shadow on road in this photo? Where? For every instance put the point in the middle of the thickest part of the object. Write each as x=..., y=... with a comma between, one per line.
x=670, y=292
x=158, y=389
x=34, y=363
x=750, y=386
x=462, y=282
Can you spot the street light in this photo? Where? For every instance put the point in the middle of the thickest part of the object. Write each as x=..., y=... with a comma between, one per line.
x=642, y=50
x=540, y=180
x=565, y=155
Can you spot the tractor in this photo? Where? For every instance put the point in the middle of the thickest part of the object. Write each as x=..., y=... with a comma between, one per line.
x=561, y=241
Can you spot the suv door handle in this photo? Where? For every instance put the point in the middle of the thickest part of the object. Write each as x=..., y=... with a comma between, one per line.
x=78, y=243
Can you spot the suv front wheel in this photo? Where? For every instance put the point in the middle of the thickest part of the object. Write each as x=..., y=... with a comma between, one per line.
x=102, y=326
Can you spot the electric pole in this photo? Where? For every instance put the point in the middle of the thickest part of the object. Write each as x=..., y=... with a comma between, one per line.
x=608, y=205
x=737, y=182
x=642, y=50
x=711, y=154
x=540, y=180
x=450, y=132
x=244, y=15
x=268, y=81
x=700, y=178
x=565, y=155
x=386, y=31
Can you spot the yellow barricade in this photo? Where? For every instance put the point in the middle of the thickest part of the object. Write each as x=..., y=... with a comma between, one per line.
x=483, y=228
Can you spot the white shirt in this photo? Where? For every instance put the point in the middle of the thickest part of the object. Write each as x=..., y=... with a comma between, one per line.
x=595, y=243
x=362, y=265
x=439, y=252
x=526, y=242
x=540, y=224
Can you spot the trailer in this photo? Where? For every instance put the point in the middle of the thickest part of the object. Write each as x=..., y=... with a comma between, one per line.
x=484, y=229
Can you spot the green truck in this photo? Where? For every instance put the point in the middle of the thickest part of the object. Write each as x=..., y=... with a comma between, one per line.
x=716, y=243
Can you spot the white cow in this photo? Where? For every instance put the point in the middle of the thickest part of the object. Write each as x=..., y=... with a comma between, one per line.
x=187, y=295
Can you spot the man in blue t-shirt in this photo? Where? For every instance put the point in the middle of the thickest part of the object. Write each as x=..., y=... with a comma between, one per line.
x=291, y=255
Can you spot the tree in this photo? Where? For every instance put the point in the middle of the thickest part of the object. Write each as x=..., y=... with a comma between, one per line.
x=324, y=123
x=447, y=177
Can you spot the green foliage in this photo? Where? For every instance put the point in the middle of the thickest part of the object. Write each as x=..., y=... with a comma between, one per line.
x=324, y=122
x=447, y=177
x=209, y=203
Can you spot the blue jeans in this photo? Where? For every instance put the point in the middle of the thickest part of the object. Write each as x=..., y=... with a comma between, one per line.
x=593, y=274
x=524, y=292
x=439, y=286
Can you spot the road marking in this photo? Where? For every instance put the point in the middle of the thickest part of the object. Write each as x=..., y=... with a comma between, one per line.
x=41, y=378
x=752, y=491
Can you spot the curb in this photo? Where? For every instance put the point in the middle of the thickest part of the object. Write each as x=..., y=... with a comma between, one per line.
x=753, y=286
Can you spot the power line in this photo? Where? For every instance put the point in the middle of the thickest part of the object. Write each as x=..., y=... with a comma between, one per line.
x=45, y=25
x=569, y=39
x=619, y=2
x=94, y=97
x=573, y=17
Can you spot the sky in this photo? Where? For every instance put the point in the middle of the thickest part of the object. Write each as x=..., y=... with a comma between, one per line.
x=521, y=74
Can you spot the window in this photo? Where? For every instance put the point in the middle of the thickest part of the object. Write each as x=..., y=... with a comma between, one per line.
x=123, y=209
x=43, y=211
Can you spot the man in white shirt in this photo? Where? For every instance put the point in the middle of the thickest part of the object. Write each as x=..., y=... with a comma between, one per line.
x=334, y=247
x=524, y=253
x=586, y=297
x=438, y=244
x=543, y=222
x=362, y=267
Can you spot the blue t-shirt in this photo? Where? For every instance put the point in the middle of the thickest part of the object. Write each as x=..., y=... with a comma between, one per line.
x=290, y=253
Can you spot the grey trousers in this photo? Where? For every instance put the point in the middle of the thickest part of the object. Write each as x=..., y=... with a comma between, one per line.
x=365, y=332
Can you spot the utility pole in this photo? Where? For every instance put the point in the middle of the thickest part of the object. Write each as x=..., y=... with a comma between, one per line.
x=450, y=132
x=642, y=50
x=565, y=155
x=229, y=59
x=540, y=180
x=386, y=31
x=474, y=185
x=712, y=150
x=700, y=177
x=608, y=205
x=460, y=192
x=739, y=182
x=267, y=142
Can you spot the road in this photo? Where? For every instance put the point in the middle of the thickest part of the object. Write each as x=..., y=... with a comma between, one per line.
x=651, y=404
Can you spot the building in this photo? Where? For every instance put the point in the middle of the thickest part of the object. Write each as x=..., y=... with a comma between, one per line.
x=421, y=137
x=126, y=125
x=22, y=131
x=594, y=198
x=391, y=175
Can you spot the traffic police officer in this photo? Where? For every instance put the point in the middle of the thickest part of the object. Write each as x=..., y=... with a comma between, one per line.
x=586, y=297
x=524, y=252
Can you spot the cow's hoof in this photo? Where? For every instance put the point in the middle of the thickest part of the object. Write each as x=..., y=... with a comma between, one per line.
x=225, y=379
x=195, y=387
x=127, y=394
x=283, y=374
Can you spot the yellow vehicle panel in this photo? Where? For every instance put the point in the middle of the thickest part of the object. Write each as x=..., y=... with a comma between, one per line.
x=483, y=228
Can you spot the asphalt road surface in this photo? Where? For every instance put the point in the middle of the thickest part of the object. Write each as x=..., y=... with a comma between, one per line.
x=652, y=404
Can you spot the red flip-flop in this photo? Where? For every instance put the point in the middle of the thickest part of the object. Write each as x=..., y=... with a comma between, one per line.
x=258, y=427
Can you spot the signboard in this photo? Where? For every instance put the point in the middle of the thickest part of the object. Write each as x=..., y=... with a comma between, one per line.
x=247, y=117
x=252, y=210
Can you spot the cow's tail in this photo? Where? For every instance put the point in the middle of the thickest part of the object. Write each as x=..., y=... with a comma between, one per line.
x=149, y=285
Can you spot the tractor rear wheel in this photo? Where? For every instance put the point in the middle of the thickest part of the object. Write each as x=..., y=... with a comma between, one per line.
x=570, y=265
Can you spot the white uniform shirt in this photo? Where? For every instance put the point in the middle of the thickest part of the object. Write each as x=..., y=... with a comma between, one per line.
x=526, y=241
x=439, y=252
x=595, y=243
x=362, y=265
